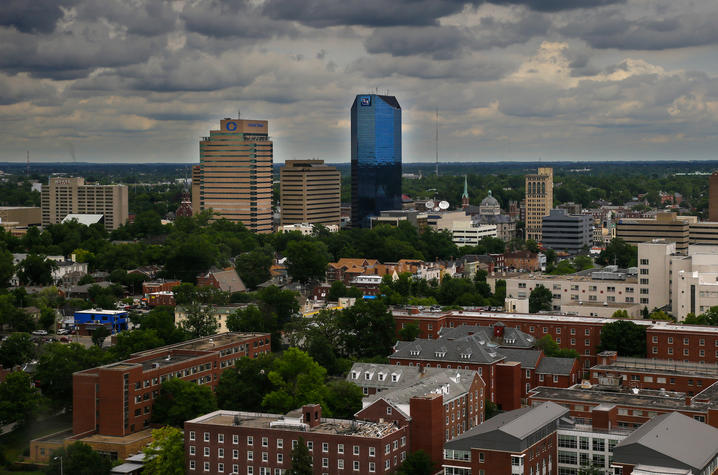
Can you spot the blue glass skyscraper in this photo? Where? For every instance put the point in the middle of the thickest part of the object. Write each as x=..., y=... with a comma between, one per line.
x=376, y=156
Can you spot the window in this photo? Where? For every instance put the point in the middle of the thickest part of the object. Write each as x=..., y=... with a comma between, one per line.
x=558, y=330
x=191, y=435
x=235, y=439
x=265, y=457
x=220, y=467
x=356, y=466
x=192, y=465
x=387, y=449
x=235, y=454
x=310, y=445
x=250, y=455
x=555, y=378
x=372, y=451
x=250, y=440
x=388, y=410
x=340, y=464
x=265, y=442
x=325, y=447
x=340, y=448
x=220, y=438
x=587, y=331
x=206, y=466
x=599, y=445
x=192, y=449
x=355, y=450
x=372, y=467
x=280, y=443
x=325, y=462
x=206, y=436
x=220, y=453
x=206, y=451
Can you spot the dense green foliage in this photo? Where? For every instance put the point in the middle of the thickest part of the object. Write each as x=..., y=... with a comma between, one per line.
x=181, y=401
x=165, y=454
x=19, y=400
x=417, y=463
x=540, y=299
x=551, y=348
x=301, y=459
x=79, y=459
x=625, y=337
x=16, y=350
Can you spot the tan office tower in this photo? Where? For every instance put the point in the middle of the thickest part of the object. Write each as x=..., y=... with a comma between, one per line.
x=236, y=173
x=310, y=192
x=196, y=179
x=713, y=197
x=63, y=196
x=539, y=201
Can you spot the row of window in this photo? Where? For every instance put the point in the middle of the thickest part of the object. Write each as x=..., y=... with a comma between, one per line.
x=356, y=466
x=686, y=351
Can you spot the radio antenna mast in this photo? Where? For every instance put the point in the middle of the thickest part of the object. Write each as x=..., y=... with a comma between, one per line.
x=27, y=167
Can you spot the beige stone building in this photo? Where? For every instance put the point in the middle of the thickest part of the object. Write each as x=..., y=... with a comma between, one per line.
x=235, y=175
x=539, y=201
x=668, y=226
x=310, y=192
x=196, y=179
x=63, y=196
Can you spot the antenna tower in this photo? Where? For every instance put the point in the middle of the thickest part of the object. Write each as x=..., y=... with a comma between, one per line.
x=436, y=141
x=27, y=167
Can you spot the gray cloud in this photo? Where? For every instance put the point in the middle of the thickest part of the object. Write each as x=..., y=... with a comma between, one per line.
x=32, y=16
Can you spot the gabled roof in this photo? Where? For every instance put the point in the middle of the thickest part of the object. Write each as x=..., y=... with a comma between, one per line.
x=554, y=365
x=450, y=351
x=228, y=280
x=528, y=358
x=678, y=437
x=508, y=428
x=512, y=337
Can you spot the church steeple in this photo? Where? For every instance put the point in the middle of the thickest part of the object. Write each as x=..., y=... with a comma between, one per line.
x=465, y=194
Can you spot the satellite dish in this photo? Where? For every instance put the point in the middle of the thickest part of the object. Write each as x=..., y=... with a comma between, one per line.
x=429, y=204
x=444, y=205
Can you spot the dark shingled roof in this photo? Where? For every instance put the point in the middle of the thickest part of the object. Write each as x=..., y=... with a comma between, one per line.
x=553, y=365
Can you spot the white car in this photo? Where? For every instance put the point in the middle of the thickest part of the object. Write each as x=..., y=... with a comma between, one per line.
x=63, y=331
x=40, y=332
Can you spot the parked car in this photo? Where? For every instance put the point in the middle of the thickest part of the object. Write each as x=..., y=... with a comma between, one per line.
x=64, y=339
x=40, y=332
x=63, y=331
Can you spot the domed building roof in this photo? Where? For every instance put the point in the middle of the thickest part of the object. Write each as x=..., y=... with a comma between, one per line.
x=489, y=206
x=489, y=201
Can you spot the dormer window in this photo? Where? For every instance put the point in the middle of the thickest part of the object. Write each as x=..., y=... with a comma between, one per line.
x=382, y=376
x=367, y=375
x=355, y=375
x=394, y=377
x=414, y=352
x=440, y=354
x=465, y=356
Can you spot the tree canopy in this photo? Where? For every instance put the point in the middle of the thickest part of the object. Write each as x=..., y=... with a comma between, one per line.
x=78, y=458
x=625, y=337
x=165, y=454
x=540, y=299
x=180, y=401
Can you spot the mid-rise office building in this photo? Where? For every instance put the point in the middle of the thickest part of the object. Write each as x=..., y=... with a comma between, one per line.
x=539, y=201
x=667, y=226
x=375, y=156
x=564, y=232
x=196, y=179
x=63, y=196
x=235, y=176
x=310, y=192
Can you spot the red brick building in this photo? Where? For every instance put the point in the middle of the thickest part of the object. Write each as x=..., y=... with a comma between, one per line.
x=116, y=399
x=522, y=441
x=438, y=404
x=226, y=280
x=620, y=372
x=682, y=343
x=521, y=260
x=630, y=408
x=159, y=286
x=253, y=443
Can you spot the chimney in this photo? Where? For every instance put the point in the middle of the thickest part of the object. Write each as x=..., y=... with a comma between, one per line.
x=312, y=414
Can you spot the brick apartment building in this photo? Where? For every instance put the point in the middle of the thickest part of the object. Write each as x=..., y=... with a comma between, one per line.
x=149, y=287
x=438, y=404
x=522, y=441
x=664, y=340
x=261, y=444
x=629, y=408
x=677, y=376
x=504, y=357
x=116, y=399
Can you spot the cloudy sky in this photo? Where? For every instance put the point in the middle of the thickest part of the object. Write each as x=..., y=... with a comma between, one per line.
x=143, y=80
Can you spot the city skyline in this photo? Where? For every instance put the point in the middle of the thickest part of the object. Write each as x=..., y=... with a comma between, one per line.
x=512, y=79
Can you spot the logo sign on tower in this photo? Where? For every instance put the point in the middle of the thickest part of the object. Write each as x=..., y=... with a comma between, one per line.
x=365, y=101
x=231, y=126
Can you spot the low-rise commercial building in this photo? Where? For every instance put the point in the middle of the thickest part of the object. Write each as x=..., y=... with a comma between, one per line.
x=564, y=232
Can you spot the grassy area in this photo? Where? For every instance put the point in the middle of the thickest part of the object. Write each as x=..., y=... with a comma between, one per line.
x=16, y=442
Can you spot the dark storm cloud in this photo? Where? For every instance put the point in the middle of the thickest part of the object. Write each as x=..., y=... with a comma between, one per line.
x=32, y=16
x=147, y=18
x=380, y=13
x=237, y=18
x=444, y=42
x=611, y=29
x=382, y=66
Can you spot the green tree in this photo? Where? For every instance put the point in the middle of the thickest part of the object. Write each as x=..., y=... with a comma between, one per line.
x=16, y=350
x=367, y=329
x=78, y=459
x=336, y=291
x=190, y=255
x=132, y=341
x=7, y=269
x=165, y=454
x=409, y=332
x=551, y=348
x=582, y=262
x=301, y=459
x=47, y=317
x=620, y=314
x=307, y=260
x=200, y=320
x=36, y=270
x=180, y=401
x=99, y=334
x=540, y=299
x=162, y=320
x=625, y=337
x=491, y=409
x=591, y=470
x=253, y=266
x=243, y=386
x=417, y=463
x=343, y=399
x=296, y=380
x=18, y=398
x=87, y=279
x=56, y=364
x=251, y=319
x=660, y=315
x=620, y=253
x=283, y=303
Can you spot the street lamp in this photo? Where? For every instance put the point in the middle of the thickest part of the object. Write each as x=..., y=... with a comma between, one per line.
x=61, y=470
